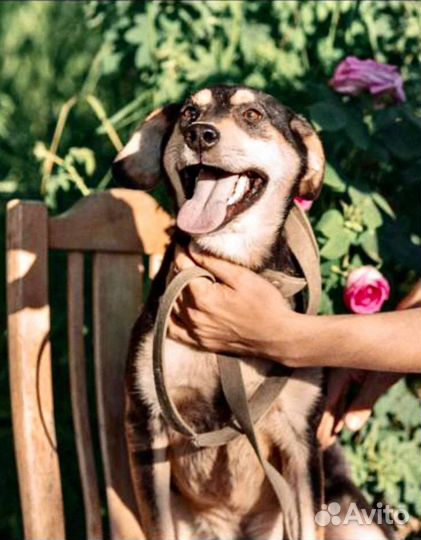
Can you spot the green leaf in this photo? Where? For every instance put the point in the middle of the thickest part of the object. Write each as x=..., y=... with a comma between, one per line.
x=383, y=204
x=84, y=156
x=40, y=151
x=385, y=117
x=333, y=180
x=377, y=152
x=326, y=269
x=111, y=63
x=357, y=131
x=328, y=116
x=401, y=140
x=356, y=261
x=371, y=215
x=326, y=304
x=8, y=186
x=337, y=245
x=370, y=244
x=399, y=402
x=330, y=222
x=356, y=195
x=136, y=34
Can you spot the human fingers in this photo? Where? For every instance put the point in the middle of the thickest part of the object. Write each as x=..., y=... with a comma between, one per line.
x=190, y=317
x=325, y=430
x=373, y=387
x=411, y=300
x=360, y=409
x=227, y=272
x=199, y=289
x=337, y=388
x=179, y=332
x=194, y=336
x=182, y=260
x=338, y=383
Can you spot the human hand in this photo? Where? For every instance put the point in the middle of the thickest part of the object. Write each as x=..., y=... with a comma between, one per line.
x=412, y=299
x=241, y=313
x=342, y=410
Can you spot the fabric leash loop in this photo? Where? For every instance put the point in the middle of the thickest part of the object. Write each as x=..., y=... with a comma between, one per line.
x=172, y=292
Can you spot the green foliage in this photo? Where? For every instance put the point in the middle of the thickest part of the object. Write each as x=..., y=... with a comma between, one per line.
x=120, y=60
x=385, y=456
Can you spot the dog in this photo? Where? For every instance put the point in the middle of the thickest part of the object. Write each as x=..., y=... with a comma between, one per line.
x=234, y=159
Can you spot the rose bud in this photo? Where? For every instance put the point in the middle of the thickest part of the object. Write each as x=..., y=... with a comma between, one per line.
x=366, y=290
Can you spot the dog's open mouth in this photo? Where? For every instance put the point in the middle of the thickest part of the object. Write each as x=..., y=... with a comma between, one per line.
x=215, y=196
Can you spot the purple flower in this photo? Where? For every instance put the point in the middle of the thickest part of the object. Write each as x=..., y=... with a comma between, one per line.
x=352, y=76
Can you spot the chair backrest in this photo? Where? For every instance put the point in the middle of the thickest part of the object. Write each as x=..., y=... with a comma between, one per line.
x=119, y=227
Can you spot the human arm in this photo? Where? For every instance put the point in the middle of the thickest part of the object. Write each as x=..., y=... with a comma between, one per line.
x=340, y=410
x=377, y=342
x=244, y=314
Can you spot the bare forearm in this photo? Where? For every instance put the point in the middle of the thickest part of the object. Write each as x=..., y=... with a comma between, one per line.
x=243, y=314
x=380, y=342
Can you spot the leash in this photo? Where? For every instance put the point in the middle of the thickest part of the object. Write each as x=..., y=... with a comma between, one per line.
x=246, y=413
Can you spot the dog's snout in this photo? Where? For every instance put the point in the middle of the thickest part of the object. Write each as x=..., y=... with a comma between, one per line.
x=201, y=136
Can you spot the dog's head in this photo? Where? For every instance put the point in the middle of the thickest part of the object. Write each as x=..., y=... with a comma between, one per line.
x=235, y=157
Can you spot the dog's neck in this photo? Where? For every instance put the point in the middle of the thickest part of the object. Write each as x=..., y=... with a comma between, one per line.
x=281, y=258
x=254, y=251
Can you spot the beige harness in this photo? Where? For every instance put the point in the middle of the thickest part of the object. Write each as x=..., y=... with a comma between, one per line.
x=246, y=413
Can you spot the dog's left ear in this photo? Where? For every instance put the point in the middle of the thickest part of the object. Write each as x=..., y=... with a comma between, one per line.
x=138, y=164
x=311, y=182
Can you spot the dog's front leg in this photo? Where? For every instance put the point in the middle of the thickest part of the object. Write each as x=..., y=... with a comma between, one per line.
x=150, y=470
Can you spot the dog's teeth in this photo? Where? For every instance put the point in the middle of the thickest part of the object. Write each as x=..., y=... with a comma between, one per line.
x=241, y=186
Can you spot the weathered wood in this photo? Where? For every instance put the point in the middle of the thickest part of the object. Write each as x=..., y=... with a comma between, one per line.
x=117, y=298
x=30, y=371
x=79, y=396
x=117, y=220
x=117, y=226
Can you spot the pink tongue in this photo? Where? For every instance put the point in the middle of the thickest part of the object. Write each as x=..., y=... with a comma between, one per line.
x=206, y=210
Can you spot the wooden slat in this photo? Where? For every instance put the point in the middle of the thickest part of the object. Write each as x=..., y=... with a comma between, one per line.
x=117, y=220
x=117, y=299
x=79, y=396
x=30, y=371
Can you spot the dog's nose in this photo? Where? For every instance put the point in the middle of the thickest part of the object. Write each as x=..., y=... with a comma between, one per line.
x=201, y=136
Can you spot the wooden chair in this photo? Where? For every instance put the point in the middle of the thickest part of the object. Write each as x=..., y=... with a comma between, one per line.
x=119, y=227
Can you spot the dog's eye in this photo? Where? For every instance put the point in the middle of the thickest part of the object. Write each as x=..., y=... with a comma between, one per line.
x=190, y=113
x=252, y=115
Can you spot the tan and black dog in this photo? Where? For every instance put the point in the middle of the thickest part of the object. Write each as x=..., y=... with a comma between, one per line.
x=235, y=158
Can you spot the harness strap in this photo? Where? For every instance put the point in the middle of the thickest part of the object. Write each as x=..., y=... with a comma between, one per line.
x=303, y=244
x=235, y=393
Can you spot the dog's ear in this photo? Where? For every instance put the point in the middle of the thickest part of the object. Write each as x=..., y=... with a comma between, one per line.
x=311, y=183
x=138, y=164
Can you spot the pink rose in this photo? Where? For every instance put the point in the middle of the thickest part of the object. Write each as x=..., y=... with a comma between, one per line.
x=353, y=76
x=366, y=290
x=304, y=203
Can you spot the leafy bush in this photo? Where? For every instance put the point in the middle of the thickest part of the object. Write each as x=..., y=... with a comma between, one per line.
x=385, y=455
x=128, y=58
